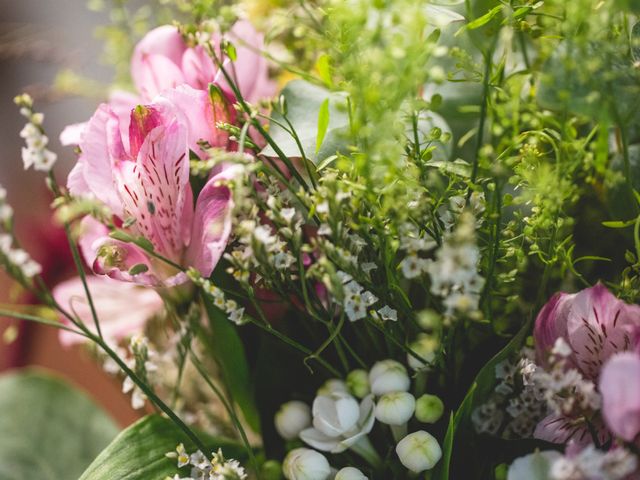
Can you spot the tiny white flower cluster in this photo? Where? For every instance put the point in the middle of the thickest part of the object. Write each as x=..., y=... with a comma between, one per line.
x=517, y=404
x=590, y=463
x=6, y=212
x=615, y=464
x=35, y=154
x=229, y=306
x=566, y=391
x=454, y=272
x=142, y=361
x=17, y=258
x=357, y=300
x=218, y=468
x=414, y=243
x=338, y=421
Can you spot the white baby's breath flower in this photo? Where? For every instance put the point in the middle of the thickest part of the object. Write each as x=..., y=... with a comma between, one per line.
x=388, y=313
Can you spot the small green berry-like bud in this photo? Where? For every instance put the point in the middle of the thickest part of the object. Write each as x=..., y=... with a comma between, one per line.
x=271, y=470
x=429, y=320
x=358, y=383
x=429, y=408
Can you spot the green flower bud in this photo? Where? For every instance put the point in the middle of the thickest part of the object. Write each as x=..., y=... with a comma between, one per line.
x=429, y=409
x=271, y=470
x=358, y=383
x=429, y=320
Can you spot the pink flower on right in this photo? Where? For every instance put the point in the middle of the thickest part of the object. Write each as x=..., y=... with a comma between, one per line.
x=602, y=332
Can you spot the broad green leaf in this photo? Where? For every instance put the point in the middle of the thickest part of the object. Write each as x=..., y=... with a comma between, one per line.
x=304, y=103
x=138, y=453
x=48, y=429
x=323, y=123
x=225, y=345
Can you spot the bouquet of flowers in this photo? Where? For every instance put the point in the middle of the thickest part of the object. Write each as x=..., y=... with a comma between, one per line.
x=350, y=239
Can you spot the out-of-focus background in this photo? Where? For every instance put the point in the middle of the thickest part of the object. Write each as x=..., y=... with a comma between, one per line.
x=38, y=39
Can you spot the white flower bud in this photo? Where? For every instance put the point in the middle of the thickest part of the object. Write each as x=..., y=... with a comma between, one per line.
x=305, y=464
x=419, y=451
x=350, y=473
x=332, y=385
x=335, y=414
x=425, y=346
x=395, y=408
x=292, y=418
x=358, y=383
x=429, y=409
x=388, y=376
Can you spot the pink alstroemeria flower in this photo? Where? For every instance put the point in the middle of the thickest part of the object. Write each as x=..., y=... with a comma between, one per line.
x=595, y=325
x=162, y=60
x=593, y=322
x=146, y=178
x=122, y=308
x=620, y=390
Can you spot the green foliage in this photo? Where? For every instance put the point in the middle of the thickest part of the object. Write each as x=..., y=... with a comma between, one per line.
x=139, y=452
x=310, y=119
x=50, y=430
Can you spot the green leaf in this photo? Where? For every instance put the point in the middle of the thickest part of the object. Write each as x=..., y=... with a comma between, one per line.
x=225, y=345
x=304, y=103
x=441, y=471
x=323, y=123
x=138, y=453
x=483, y=20
x=619, y=223
x=49, y=430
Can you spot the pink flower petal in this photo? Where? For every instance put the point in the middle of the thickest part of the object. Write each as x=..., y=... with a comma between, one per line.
x=620, y=389
x=123, y=309
x=155, y=63
x=599, y=325
x=212, y=223
x=72, y=134
x=198, y=68
x=551, y=324
x=102, y=148
x=155, y=188
x=200, y=113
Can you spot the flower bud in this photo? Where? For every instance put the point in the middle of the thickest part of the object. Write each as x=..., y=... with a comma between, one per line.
x=292, y=418
x=425, y=346
x=429, y=320
x=350, y=473
x=271, y=470
x=388, y=376
x=429, y=408
x=419, y=451
x=358, y=383
x=395, y=408
x=332, y=385
x=306, y=464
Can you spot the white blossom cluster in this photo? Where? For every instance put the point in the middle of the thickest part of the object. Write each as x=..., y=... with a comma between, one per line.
x=517, y=404
x=343, y=414
x=140, y=358
x=454, y=272
x=357, y=299
x=15, y=259
x=588, y=464
x=566, y=392
x=234, y=311
x=591, y=463
x=218, y=468
x=35, y=154
x=527, y=393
